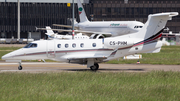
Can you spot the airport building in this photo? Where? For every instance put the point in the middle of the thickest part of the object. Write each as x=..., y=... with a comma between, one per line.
x=43, y=13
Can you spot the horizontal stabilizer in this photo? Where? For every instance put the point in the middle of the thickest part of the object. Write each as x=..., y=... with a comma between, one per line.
x=154, y=25
x=155, y=51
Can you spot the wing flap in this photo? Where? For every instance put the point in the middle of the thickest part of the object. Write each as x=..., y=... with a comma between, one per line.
x=84, y=57
x=91, y=56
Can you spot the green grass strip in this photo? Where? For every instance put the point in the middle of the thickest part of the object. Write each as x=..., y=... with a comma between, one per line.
x=90, y=86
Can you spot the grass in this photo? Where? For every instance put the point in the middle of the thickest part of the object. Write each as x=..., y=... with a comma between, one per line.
x=169, y=55
x=90, y=86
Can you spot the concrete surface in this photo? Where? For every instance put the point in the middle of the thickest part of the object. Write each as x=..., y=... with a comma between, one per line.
x=36, y=67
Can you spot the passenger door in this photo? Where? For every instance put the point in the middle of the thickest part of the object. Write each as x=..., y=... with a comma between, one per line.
x=51, y=53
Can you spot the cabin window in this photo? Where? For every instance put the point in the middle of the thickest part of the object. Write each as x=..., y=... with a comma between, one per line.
x=59, y=45
x=73, y=45
x=94, y=44
x=66, y=45
x=138, y=26
x=82, y=45
x=31, y=45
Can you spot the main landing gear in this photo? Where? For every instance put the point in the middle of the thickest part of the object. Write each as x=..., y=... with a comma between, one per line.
x=95, y=67
x=20, y=67
x=92, y=63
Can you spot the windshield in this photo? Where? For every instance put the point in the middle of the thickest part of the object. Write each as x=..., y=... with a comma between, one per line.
x=31, y=45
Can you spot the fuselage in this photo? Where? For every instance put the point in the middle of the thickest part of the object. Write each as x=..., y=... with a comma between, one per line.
x=116, y=28
x=78, y=36
x=65, y=50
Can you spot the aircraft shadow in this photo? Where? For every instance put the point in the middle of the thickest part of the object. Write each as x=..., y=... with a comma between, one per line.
x=111, y=70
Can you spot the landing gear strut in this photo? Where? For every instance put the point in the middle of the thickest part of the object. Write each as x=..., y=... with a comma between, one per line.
x=95, y=67
x=20, y=67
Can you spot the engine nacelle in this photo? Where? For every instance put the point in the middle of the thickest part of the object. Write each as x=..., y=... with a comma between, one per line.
x=97, y=36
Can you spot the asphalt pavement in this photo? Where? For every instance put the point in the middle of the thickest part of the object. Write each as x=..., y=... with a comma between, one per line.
x=36, y=67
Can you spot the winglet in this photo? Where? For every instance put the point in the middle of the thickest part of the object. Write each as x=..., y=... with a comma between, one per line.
x=113, y=53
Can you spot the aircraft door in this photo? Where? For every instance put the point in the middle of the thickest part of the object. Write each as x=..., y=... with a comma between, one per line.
x=51, y=53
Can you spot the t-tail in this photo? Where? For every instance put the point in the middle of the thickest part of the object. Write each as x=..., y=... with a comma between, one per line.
x=149, y=34
x=82, y=14
x=154, y=26
x=50, y=32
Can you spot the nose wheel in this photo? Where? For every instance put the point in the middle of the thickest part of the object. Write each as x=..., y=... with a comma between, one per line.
x=95, y=67
x=20, y=67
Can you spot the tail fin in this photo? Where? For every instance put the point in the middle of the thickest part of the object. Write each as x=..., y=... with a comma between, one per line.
x=75, y=22
x=49, y=31
x=82, y=14
x=155, y=25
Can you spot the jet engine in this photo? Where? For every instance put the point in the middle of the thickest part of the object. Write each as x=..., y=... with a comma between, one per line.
x=97, y=36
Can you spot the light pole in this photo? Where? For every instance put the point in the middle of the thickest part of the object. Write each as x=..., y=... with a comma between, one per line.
x=73, y=21
x=18, y=33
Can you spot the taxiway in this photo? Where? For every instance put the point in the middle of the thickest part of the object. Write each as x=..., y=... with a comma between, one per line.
x=36, y=67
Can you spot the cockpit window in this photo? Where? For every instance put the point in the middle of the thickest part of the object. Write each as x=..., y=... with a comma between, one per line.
x=27, y=45
x=31, y=45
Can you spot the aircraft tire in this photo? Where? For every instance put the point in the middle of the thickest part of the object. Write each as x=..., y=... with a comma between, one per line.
x=20, y=68
x=95, y=67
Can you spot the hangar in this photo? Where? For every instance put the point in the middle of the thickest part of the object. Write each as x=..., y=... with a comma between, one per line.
x=43, y=13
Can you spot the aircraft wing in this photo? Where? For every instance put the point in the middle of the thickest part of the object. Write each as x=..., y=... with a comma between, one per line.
x=84, y=58
x=88, y=33
x=67, y=26
x=91, y=56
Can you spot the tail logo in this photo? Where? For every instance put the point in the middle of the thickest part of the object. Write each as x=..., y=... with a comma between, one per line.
x=80, y=10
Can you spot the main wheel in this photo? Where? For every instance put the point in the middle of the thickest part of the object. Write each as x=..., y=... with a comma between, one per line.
x=20, y=67
x=95, y=67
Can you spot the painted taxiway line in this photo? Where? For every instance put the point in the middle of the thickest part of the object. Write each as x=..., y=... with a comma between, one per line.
x=29, y=70
x=31, y=63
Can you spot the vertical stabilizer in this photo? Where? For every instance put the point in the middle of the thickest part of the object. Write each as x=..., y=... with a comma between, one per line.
x=49, y=31
x=82, y=14
x=155, y=25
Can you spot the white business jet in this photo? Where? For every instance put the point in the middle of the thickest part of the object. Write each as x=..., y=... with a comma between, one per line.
x=101, y=29
x=94, y=51
x=51, y=35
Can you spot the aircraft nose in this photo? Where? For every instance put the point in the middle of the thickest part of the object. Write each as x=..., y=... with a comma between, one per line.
x=5, y=57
